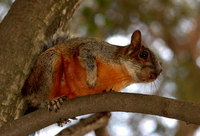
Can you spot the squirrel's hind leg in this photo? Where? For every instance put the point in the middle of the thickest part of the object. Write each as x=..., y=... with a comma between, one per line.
x=43, y=83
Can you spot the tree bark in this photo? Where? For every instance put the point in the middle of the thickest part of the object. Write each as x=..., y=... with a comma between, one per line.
x=127, y=102
x=27, y=23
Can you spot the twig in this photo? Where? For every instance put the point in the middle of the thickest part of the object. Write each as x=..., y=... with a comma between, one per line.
x=86, y=125
x=102, y=131
x=139, y=103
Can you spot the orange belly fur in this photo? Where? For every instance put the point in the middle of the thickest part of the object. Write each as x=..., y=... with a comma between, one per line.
x=73, y=83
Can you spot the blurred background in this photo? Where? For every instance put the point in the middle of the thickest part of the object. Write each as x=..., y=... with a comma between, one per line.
x=171, y=28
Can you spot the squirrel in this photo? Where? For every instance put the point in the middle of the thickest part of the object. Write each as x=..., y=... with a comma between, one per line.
x=83, y=66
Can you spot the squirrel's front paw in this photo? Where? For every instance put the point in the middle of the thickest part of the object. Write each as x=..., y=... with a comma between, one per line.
x=56, y=103
x=62, y=122
x=108, y=90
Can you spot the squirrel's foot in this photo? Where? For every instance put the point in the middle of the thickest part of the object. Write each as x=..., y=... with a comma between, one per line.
x=106, y=90
x=62, y=122
x=56, y=103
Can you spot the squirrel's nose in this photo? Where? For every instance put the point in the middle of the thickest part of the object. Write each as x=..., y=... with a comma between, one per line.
x=154, y=75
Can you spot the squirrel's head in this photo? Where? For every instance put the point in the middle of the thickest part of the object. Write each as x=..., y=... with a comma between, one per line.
x=140, y=62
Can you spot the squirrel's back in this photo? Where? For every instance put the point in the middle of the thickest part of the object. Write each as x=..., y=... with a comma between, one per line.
x=89, y=45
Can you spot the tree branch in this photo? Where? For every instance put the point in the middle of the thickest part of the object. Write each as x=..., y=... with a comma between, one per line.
x=139, y=103
x=102, y=131
x=86, y=125
x=27, y=24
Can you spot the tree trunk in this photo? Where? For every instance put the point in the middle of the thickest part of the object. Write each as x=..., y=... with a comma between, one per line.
x=27, y=24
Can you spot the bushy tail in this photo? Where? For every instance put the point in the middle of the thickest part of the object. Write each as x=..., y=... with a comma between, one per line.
x=58, y=38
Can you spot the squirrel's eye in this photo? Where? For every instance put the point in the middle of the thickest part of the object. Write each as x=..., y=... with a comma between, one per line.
x=144, y=54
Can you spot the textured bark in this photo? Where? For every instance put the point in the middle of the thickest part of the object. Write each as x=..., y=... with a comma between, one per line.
x=148, y=104
x=27, y=24
x=93, y=122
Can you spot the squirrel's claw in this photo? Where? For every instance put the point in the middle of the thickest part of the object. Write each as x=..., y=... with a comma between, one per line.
x=62, y=122
x=108, y=90
x=56, y=103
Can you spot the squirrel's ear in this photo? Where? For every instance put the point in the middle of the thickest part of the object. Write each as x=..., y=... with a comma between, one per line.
x=136, y=39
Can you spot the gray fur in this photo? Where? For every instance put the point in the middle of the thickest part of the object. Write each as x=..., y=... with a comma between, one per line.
x=57, y=38
x=88, y=60
x=97, y=47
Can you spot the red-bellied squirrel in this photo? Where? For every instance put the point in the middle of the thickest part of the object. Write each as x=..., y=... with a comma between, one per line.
x=83, y=66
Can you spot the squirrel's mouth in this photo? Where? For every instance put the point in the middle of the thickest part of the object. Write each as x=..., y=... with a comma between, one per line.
x=154, y=75
x=148, y=77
